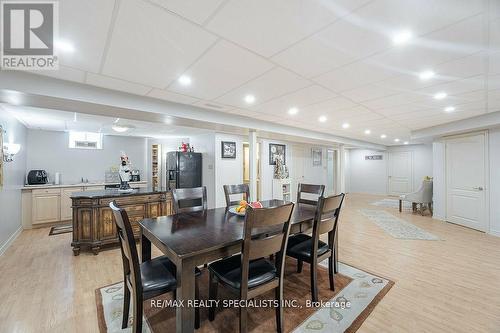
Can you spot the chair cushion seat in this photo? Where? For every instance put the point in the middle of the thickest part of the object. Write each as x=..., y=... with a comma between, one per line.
x=228, y=271
x=300, y=247
x=157, y=277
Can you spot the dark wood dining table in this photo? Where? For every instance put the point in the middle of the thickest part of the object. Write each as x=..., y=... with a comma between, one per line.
x=194, y=239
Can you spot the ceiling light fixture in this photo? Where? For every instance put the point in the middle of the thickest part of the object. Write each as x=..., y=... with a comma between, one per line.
x=345, y=125
x=322, y=119
x=426, y=75
x=120, y=128
x=402, y=37
x=406, y=142
x=250, y=99
x=184, y=80
x=293, y=111
x=396, y=140
x=440, y=95
x=368, y=132
x=383, y=136
x=64, y=46
x=449, y=109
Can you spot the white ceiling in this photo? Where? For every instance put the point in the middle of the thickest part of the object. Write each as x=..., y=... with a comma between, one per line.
x=54, y=120
x=326, y=58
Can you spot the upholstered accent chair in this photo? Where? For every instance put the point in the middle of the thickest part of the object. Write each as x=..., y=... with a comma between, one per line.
x=422, y=197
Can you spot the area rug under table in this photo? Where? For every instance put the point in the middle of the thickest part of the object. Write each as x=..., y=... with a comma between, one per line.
x=354, y=287
x=396, y=227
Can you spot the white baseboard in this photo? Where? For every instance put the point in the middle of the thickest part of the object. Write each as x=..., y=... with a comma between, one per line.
x=494, y=233
x=9, y=241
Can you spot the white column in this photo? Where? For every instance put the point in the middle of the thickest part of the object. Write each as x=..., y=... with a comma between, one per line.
x=252, y=139
x=340, y=171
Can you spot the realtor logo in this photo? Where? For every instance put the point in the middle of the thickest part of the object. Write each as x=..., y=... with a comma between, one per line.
x=29, y=29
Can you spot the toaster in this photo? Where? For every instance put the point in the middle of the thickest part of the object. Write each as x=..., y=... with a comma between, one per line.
x=37, y=177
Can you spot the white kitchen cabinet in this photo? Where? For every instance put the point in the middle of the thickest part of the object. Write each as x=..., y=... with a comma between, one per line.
x=46, y=206
x=66, y=210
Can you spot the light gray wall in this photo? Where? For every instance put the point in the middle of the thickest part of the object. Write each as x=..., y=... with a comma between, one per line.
x=49, y=150
x=228, y=171
x=14, y=174
x=371, y=176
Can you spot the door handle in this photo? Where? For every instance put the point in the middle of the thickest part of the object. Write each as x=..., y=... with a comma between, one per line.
x=479, y=188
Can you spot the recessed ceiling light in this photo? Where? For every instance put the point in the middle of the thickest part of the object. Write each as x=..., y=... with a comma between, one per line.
x=396, y=140
x=346, y=125
x=367, y=132
x=120, y=129
x=449, y=109
x=440, y=95
x=426, y=75
x=402, y=37
x=184, y=80
x=383, y=136
x=406, y=142
x=250, y=99
x=322, y=119
x=64, y=46
x=293, y=111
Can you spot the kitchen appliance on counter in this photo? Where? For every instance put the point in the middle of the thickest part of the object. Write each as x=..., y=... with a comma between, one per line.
x=183, y=170
x=37, y=177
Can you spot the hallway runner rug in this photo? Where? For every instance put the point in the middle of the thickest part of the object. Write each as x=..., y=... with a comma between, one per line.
x=395, y=226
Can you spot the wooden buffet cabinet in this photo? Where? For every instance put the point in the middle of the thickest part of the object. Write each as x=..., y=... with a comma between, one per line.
x=93, y=221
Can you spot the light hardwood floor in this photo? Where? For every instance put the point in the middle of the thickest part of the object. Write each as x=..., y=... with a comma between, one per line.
x=451, y=285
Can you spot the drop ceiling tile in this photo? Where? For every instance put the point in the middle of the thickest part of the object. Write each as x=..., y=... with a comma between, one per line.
x=408, y=83
x=301, y=98
x=272, y=84
x=64, y=73
x=223, y=68
x=193, y=10
x=494, y=101
x=399, y=99
x=156, y=49
x=171, y=96
x=457, y=87
x=423, y=16
x=354, y=75
x=369, y=92
x=116, y=84
x=312, y=57
x=495, y=35
x=494, y=82
x=328, y=106
x=269, y=30
x=465, y=67
x=89, y=40
x=405, y=108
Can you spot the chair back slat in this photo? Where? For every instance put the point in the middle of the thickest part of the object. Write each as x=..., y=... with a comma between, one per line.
x=317, y=190
x=187, y=200
x=262, y=247
x=326, y=219
x=130, y=257
x=230, y=190
x=265, y=233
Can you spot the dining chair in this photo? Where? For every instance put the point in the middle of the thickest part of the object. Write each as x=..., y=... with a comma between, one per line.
x=250, y=273
x=317, y=190
x=187, y=200
x=236, y=189
x=311, y=249
x=143, y=281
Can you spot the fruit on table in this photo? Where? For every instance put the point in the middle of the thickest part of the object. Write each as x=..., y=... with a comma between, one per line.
x=242, y=207
x=256, y=204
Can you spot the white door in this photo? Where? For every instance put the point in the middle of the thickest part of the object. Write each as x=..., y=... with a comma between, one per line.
x=466, y=159
x=297, y=172
x=400, y=172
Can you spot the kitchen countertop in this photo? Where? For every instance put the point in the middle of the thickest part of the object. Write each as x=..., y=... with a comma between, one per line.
x=113, y=193
x=46, y=186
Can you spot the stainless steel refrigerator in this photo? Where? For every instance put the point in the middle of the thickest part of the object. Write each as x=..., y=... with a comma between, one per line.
x=184, y=170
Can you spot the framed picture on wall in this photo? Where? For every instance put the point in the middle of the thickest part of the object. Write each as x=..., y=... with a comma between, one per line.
x=228, y=149
x=317, y=156
x=277, y=150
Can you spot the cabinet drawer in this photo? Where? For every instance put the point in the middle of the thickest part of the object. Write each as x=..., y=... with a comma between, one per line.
x=46, y=191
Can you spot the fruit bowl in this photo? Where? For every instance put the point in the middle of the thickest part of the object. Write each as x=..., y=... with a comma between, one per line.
x=242, y=207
